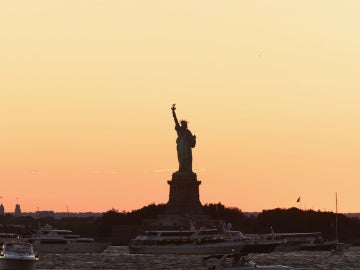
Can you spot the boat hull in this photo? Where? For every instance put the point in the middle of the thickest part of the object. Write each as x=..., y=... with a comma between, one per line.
x=17, y=264
x=223, y=248
x=321, y=246
x=260, y=248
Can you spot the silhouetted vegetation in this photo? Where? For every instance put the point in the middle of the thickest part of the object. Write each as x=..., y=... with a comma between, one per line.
x=231, y=215
x=295, y=220
x=281, y=220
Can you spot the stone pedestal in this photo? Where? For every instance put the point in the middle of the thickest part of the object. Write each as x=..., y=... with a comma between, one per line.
x=184, y=195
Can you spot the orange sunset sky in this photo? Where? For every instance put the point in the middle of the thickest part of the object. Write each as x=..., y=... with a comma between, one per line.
x=270, y=88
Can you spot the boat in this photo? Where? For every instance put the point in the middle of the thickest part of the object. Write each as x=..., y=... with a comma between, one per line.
x=293, y=241
x=17, y=255
x=8, y=237
x=319, y=244
x=238, y=261
x=50, y=240
x=198, y=241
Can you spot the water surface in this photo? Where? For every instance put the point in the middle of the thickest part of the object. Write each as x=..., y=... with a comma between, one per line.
x=119, y=258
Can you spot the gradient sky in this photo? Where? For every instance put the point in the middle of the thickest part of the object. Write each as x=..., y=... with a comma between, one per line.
x=270, y=88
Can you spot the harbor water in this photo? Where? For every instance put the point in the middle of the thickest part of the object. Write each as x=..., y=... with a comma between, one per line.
x=115, y=257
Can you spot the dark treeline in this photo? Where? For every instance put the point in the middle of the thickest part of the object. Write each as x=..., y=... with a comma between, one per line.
x=280, y=220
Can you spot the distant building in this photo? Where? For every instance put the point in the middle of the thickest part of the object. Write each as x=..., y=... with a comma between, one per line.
x=17, y=210
x=2, y=210
x=44, y=214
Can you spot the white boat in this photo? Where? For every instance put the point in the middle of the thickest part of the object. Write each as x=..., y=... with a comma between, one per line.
x=202, y=241
x=17, y=255
x=237, y=261
x=49, y=240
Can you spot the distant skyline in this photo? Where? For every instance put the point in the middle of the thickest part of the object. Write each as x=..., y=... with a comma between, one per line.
x=47, y=213
x=270, y=89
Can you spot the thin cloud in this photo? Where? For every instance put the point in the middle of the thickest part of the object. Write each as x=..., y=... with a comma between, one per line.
x=104, y=172
x=164, y=170
x=31, y=171
x=174, y=170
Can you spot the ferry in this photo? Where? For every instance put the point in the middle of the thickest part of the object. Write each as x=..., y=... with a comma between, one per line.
x=49, y=240
x=201, y=241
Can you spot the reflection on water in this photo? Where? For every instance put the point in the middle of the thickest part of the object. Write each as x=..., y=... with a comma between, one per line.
x=119, y=258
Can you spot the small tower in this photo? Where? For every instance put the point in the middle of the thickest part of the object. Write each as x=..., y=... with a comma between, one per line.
x=17, y=208
x=2, y=209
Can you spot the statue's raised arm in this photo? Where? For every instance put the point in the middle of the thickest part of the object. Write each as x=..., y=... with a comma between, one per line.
x=173, y=108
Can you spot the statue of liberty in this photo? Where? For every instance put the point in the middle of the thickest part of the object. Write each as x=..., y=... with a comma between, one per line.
x=184, y=142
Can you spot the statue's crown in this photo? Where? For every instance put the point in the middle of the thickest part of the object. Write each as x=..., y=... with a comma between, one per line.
x=184, y=123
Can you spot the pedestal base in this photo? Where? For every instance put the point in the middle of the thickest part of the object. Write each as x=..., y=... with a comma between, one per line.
x=184, y=195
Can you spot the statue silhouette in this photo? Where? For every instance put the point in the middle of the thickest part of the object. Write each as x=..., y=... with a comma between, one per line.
x=185, y=141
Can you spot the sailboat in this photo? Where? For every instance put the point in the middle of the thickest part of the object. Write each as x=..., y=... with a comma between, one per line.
x=319, y=244
x=338, y=249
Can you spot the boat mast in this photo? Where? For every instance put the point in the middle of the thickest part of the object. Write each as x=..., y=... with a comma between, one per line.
x=336, y=218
